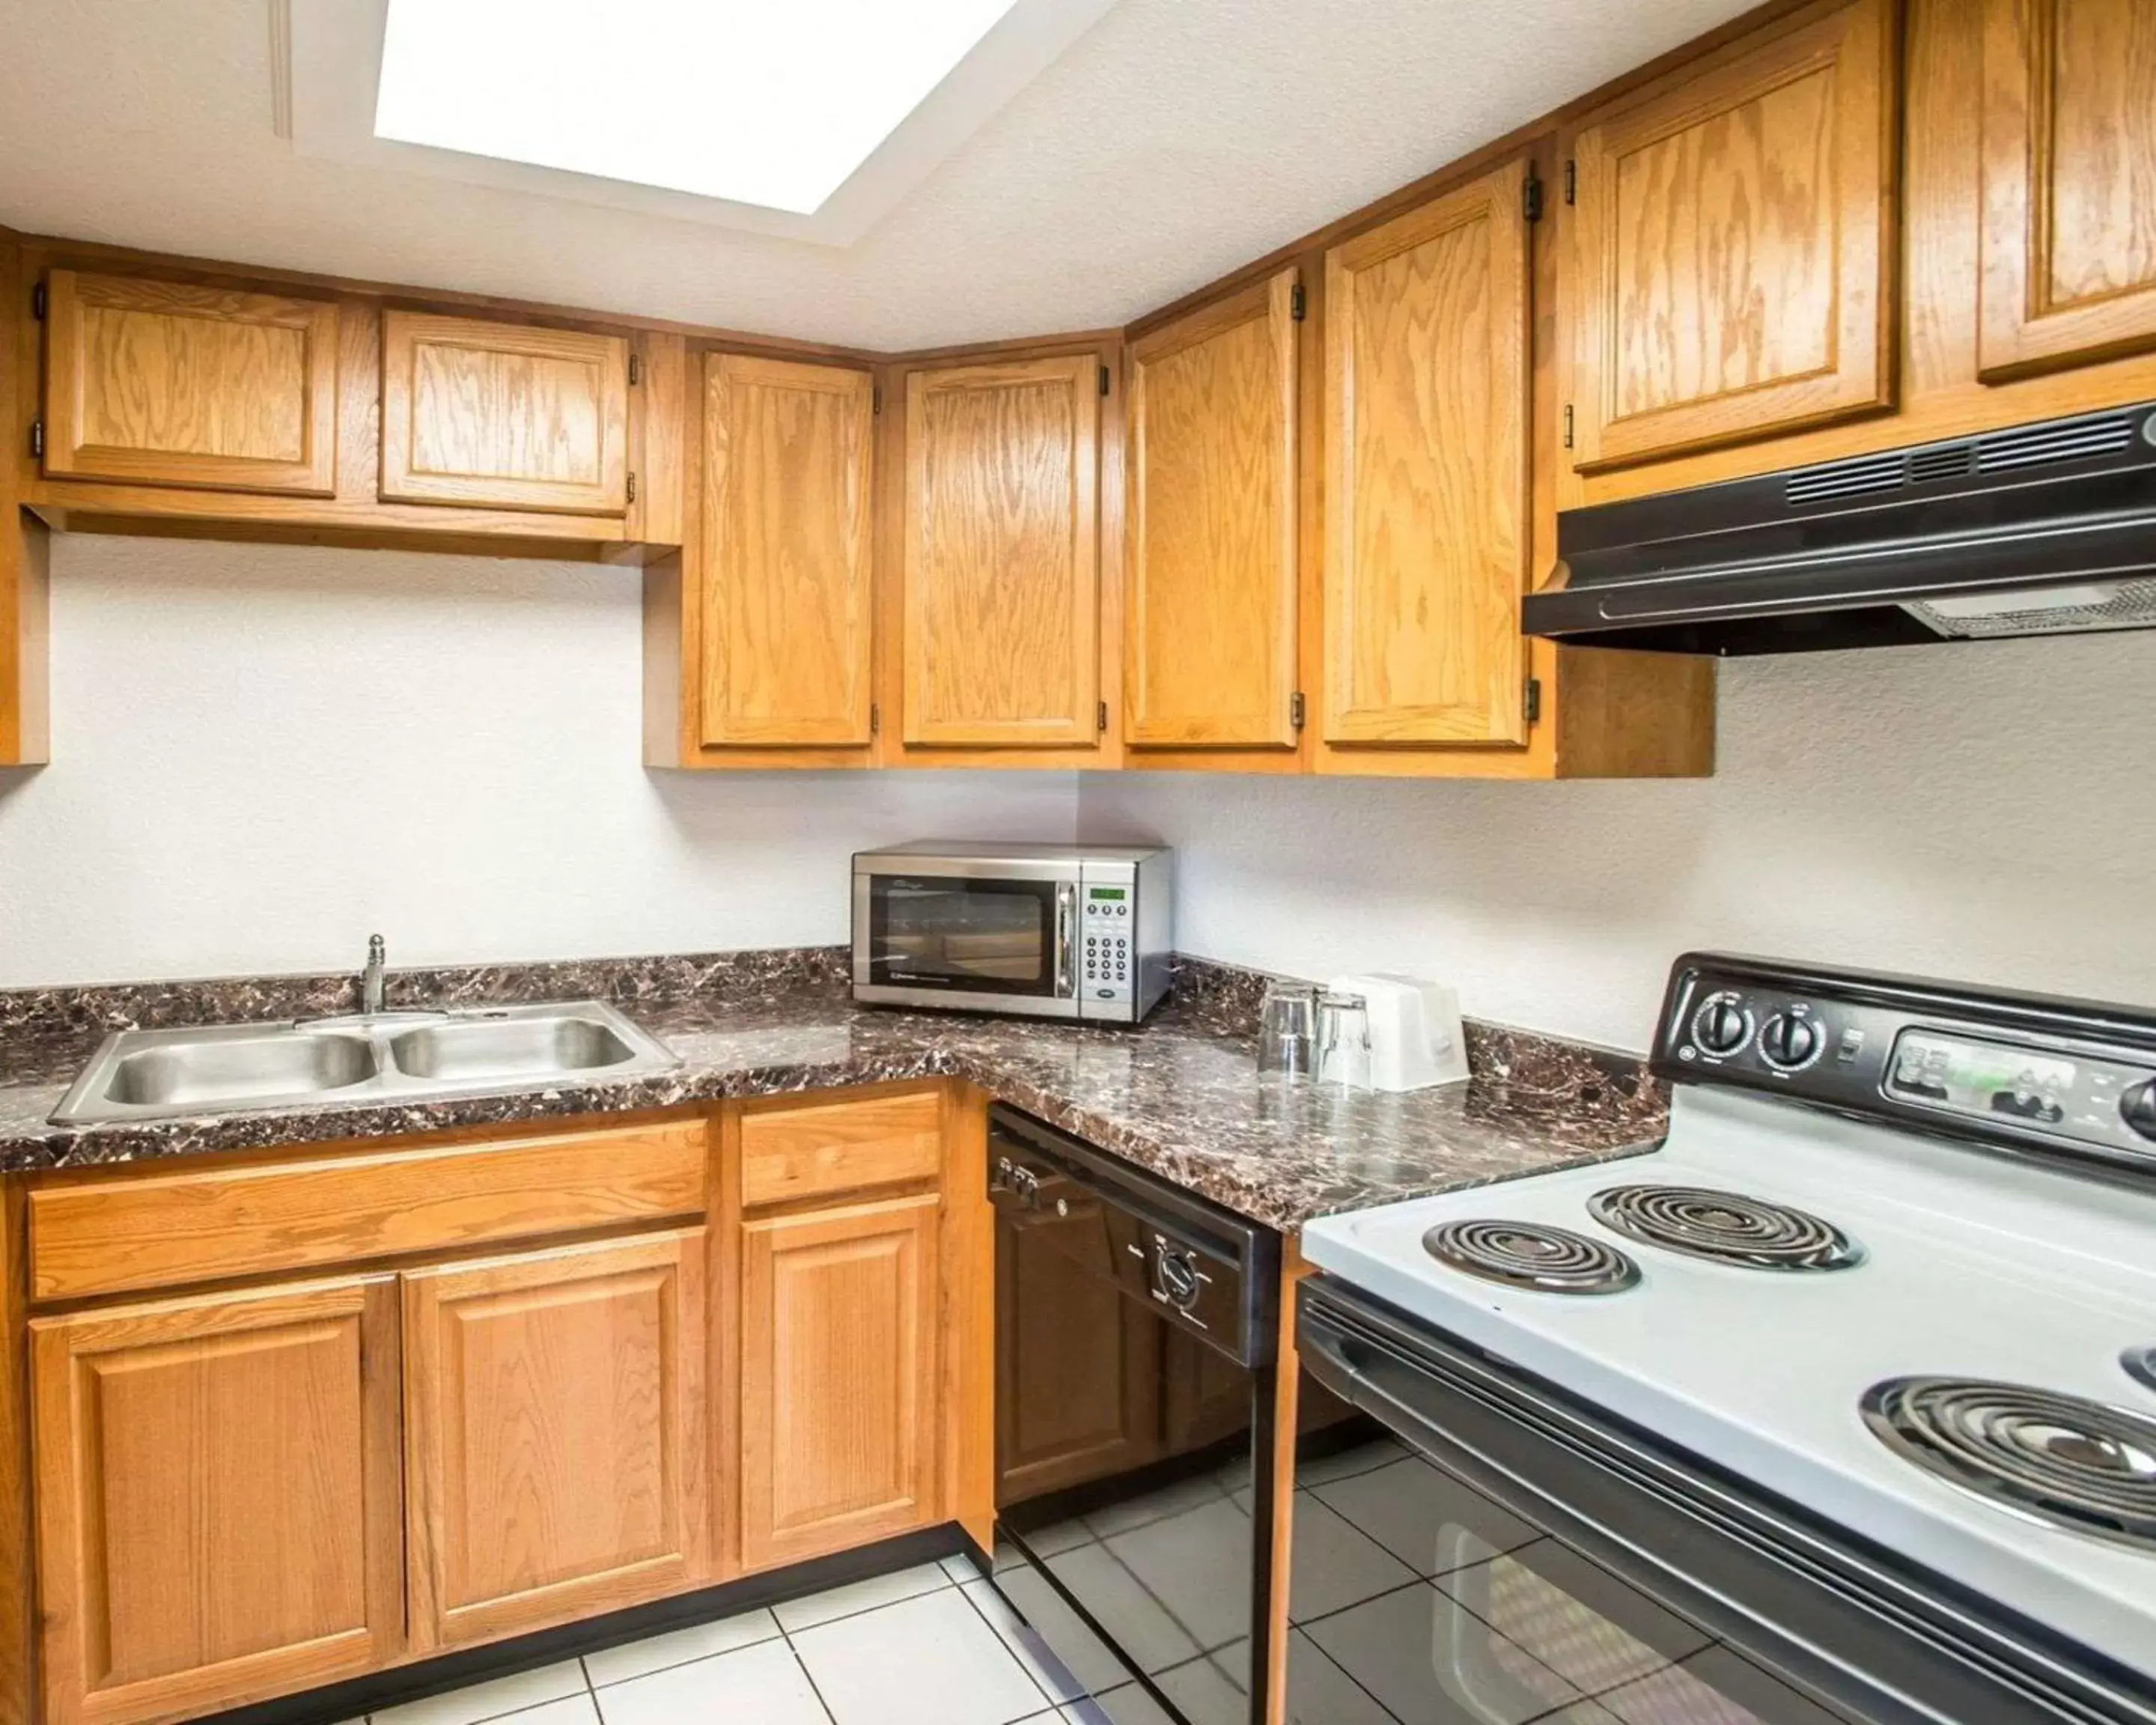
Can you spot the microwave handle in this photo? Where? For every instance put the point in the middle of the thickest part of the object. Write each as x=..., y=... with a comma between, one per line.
x=1066, y=940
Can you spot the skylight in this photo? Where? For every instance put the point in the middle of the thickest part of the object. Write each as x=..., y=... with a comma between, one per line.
x=774, y=103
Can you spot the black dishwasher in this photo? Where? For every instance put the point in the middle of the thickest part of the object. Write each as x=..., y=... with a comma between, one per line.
x=1136, y=1330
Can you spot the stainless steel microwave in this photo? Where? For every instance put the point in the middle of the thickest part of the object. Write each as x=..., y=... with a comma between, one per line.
x=1080, y=931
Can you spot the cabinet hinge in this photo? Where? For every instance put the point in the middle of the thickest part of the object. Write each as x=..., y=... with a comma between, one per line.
x=1567, y=425
x=1298, y=304
x=1571, y=183
x=1107, y=382
x=635, y=371
x=1101, y=718
x=1531, y=196
x=38, y=302
x=1532, y=702
x=1296, y=710
x=37, y=438
x=875, y=719
x=875, y=398
x=632, y=488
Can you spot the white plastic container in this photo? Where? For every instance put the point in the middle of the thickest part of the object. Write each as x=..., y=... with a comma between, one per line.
x=1416, y=1038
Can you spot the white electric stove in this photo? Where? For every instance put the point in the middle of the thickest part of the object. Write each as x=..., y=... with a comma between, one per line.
x=1893, y=1269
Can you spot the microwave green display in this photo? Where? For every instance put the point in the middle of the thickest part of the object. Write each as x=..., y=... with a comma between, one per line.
x=1113, y=894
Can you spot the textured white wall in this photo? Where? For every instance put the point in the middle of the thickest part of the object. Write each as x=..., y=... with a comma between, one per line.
x=262, y=754
x=1978, y=811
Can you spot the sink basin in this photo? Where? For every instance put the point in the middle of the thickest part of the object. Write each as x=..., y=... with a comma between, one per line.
x=391, y=1057
x=212, y=1070
x=463, y=1050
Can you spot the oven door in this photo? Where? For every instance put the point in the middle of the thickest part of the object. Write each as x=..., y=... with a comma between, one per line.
x=1491, y=1552
x=945, y=933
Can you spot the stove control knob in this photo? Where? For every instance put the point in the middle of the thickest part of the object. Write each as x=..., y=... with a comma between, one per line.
x=1722, y=1026
x=2137, y=1108
x=1789, y=1042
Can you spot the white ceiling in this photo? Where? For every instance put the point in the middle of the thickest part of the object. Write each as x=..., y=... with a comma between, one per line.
x=1174, y=141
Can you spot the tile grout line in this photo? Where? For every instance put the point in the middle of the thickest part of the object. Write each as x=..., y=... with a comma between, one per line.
x=1008, y=1652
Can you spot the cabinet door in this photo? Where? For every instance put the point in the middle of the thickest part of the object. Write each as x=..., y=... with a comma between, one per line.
x=786, y=552
x=217, y=1499
x=1211, y=646
x=1426, y=473
x=838, y=1408
x=556, y=1441
x=1002, y=566
x=2069, y=182
x=154, y=383
x=503, y=416
x=1731, y=265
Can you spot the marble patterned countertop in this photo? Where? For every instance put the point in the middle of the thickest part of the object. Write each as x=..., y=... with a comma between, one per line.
x=1180, y=1096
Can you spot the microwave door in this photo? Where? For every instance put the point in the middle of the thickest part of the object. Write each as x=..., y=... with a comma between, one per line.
x=950, y=935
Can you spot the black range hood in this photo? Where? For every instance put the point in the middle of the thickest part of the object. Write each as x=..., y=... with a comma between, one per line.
x=2046, y=529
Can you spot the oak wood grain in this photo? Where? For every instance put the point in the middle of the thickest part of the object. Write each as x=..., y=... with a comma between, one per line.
x=840, y=1379
x=137, y=1230
x=966, y=1321
x=1426, y=465
x=1001, y=565
x=799, y=1150
x=2069, y=215
x=25, y=651
x=217, y=1499
x=1733, y=243
x=503, y=416
x=788, y=578
x=556, y=1438
x=157, y=382
x=1210, y=641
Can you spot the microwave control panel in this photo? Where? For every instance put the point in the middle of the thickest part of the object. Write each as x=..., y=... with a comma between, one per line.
x=1107, y=926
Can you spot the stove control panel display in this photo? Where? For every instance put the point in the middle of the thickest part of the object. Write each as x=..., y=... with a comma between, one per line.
x=2074, y=1096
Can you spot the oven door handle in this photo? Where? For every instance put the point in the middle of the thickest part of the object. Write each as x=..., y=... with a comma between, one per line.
x=1849, y=1632
x=1066, y=940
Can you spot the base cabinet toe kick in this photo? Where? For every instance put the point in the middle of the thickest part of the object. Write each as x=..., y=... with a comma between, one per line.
x=358, y=1423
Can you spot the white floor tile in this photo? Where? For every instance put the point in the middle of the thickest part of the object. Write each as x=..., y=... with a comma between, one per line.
x=1091, y=1665
x=930, y=1660
x=1025, y=1642
x=861, y=1596
x=962, y=1569
x=488, y=1700
x=763, y=1684
x=576, y=1710
x=700, y=1641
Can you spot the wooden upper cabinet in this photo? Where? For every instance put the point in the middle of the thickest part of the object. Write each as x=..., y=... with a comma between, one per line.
x=2068, y=225
x=556, y=1436
x=1210, y=648
x=786, y=553
x=1426, y=473
x=156, y=383
x=217, y=1499
x=1730, y=269
x=1001, y=565
x=839, y=1409
x=503, y=416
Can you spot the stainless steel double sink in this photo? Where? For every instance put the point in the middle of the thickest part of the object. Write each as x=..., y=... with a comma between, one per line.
x=380, y=1057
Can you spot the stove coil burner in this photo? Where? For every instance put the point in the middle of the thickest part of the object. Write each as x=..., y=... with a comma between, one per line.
x=1725, y=1226
x=1522, y=1254
x=2140, y=1363
x=2079, y=1465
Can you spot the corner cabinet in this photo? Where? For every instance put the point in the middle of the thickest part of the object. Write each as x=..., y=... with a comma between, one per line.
x=999, y=614
x=217, y=1486
x=1731, y=266
x=2069, y=145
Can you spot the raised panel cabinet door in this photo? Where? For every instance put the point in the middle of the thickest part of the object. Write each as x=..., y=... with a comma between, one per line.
x=1731, y=266
x=503, y=415
x=787, y=553
x=1426, y=473
x=839, y=1413
x=1002, y=564
x=158, y=383
x=556, y=1437
x=217, y=1499
x=2069, y=225
x=1210, y=646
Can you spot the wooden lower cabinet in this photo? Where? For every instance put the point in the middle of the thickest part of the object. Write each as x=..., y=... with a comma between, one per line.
x=216, y=1480
x=556, y=1440
x=839, y=1408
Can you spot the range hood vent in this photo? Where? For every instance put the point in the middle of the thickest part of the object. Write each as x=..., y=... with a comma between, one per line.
x=2045, y=529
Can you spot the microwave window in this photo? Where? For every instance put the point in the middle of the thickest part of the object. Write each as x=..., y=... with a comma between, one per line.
x=973, y=936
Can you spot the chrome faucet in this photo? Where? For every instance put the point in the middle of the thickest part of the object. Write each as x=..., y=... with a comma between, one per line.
x=373, y=980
